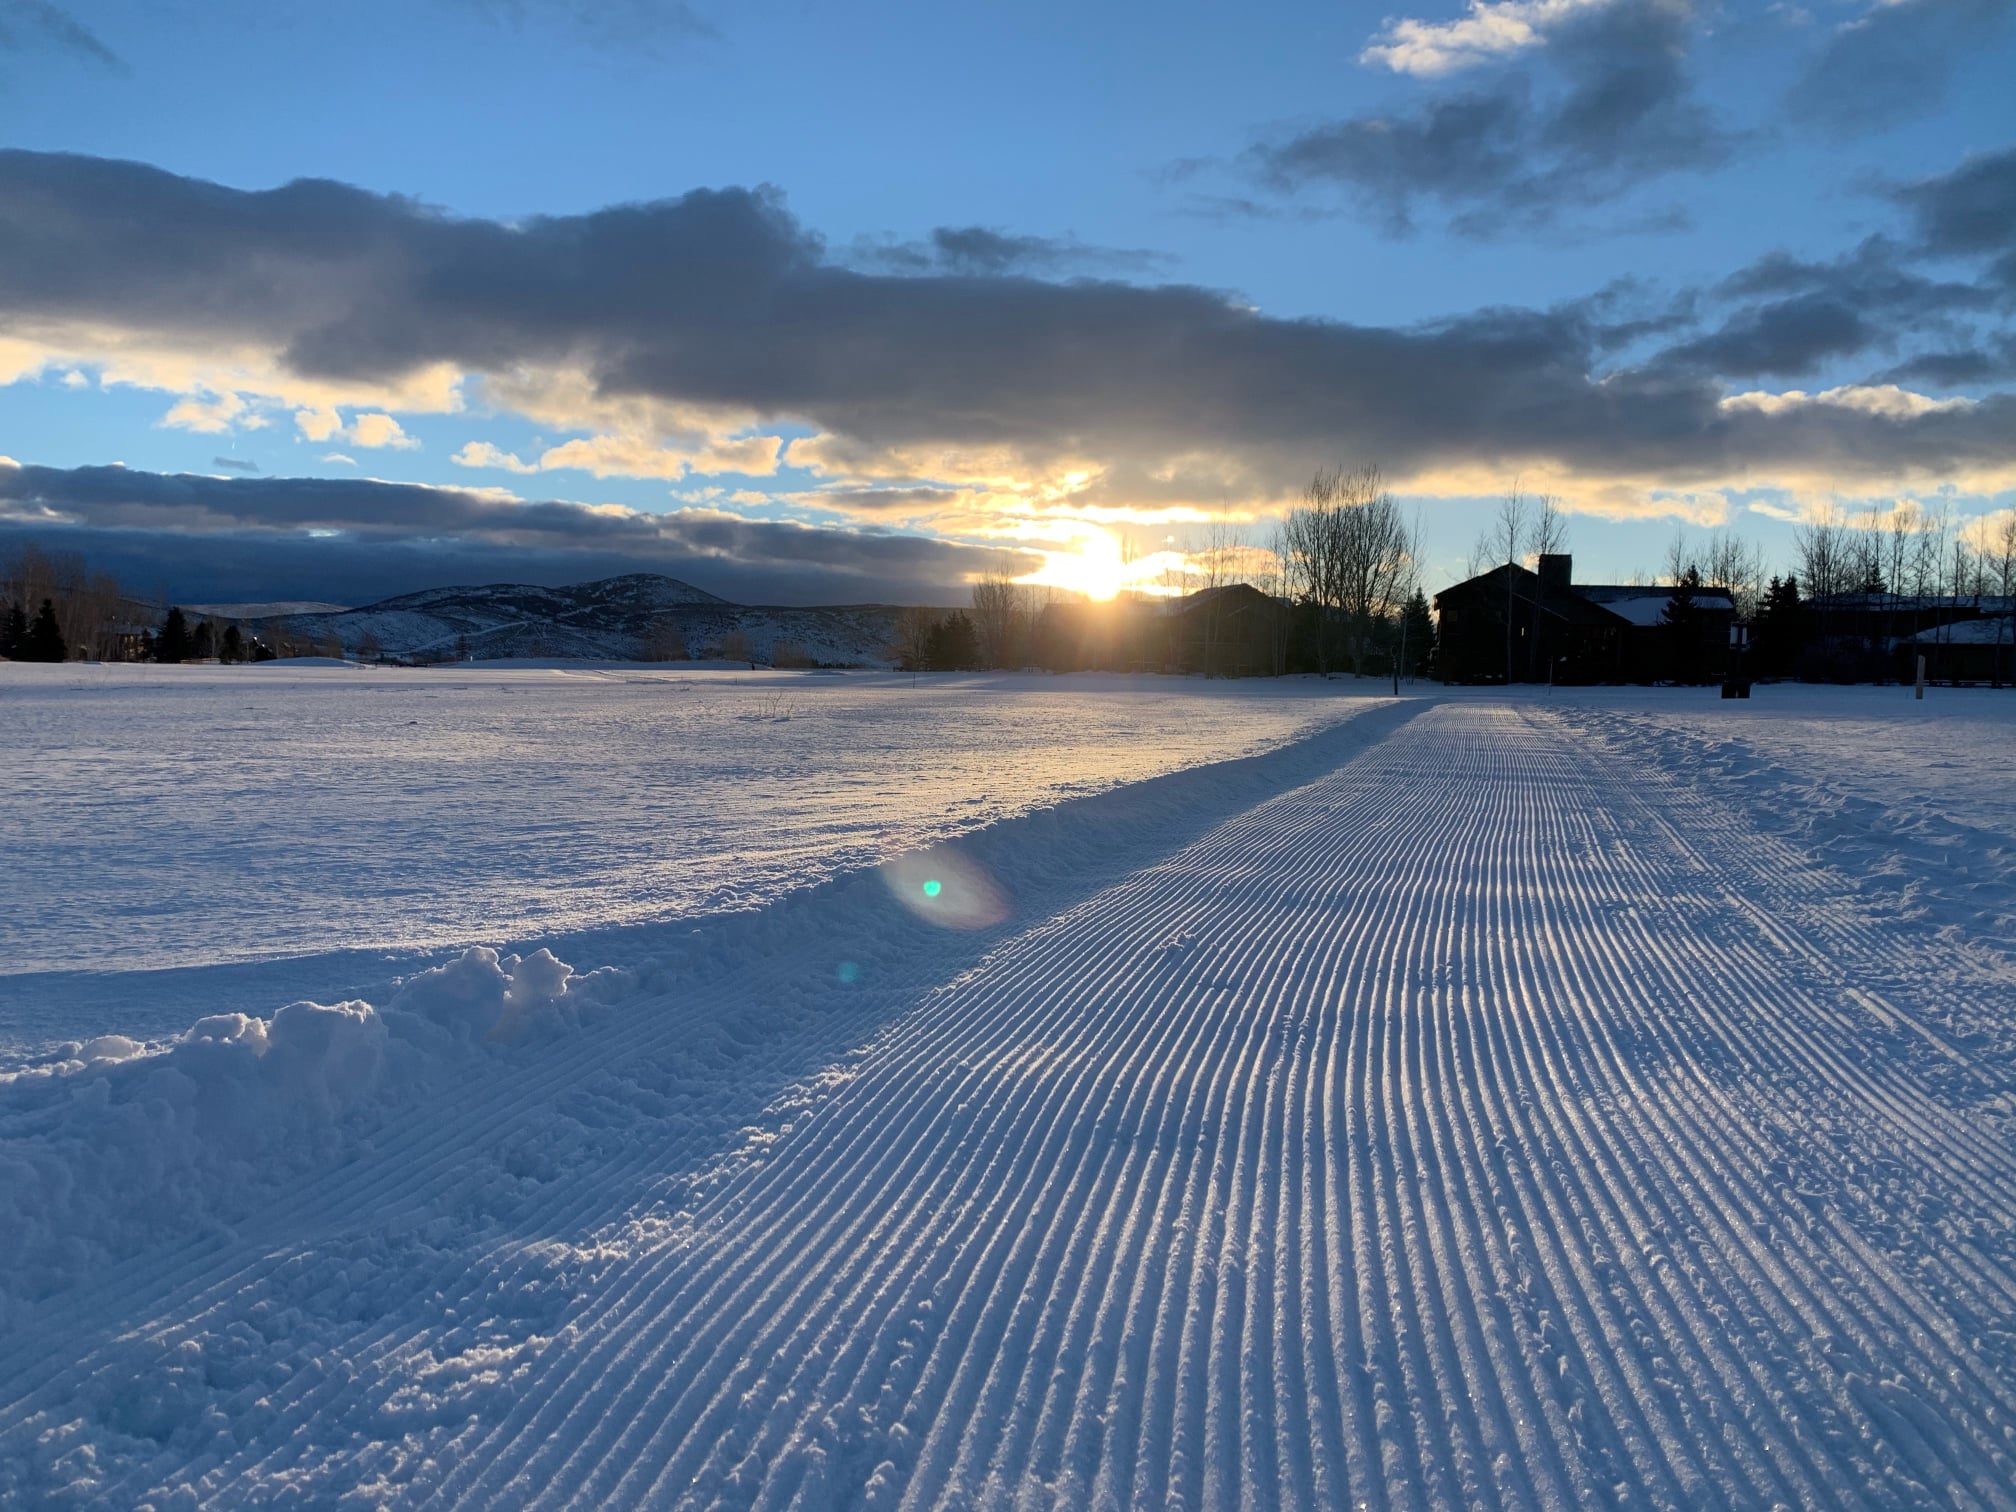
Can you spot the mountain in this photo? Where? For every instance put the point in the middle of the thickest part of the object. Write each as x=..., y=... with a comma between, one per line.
x=639, y=616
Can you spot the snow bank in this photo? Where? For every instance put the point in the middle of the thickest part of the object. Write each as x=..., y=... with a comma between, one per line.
x=1910, y=855
x=115, y=1144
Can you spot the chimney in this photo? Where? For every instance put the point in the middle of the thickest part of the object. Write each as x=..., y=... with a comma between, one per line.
x=1556, y=569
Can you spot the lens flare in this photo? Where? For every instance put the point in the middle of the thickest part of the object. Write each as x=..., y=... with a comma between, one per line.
x=947, y=888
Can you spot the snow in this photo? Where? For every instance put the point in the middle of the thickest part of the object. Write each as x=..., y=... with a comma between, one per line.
x=1544, y=1099
x=1991, y=630
x=173, y=828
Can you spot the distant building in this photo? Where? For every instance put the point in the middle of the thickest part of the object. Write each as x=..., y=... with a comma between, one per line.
x=1230, y=631
x=1520, y=625
x=1967, y=651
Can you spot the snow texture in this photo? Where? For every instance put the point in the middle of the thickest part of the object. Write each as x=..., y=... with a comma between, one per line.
x=188, y=840
x=1475, y=1101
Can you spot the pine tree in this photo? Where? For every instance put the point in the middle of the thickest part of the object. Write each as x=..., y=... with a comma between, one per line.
x=174, y=644
x=1781, y=627
x=233, y=648
x=13, y=631
x=1417, y=634
x=1683, y=627
x=44, y=641
x=954, y=645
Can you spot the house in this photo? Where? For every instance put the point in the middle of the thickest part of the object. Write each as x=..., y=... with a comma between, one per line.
x=1519, y=624
x=1963, y=651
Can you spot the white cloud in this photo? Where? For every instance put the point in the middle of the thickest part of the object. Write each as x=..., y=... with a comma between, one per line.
x=212, y=416
x=375, y=430
x=318, y=424
x=1429, y=49
x=483, y=454
x=325, y=423
x=629, y=456
x=1885, y=400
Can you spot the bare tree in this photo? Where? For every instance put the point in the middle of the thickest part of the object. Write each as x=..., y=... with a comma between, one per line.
x=1678, y=558
x=1735, y=566
x=1348, y=549
x=911, y=646
x=1822, y=561
x=2001, y=553
x=1548, y=535
x=87, y=606
x=1000, y=620
x=1508, y=540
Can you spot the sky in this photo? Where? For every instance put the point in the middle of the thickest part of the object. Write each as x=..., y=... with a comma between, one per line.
x=810, y=302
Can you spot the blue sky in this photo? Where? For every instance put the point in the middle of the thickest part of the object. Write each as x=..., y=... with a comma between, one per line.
x=1034, y=278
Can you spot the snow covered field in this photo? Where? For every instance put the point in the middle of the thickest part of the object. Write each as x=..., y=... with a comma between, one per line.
x=163, y=822
x=1554, y=1100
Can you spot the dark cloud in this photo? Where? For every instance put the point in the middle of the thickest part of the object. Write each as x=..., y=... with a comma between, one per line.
x=236, y=464
x=1608, y=104
x=326, y=537
x=1992, y=362
x=1795, y=316
x=1893, y=62
x=1969, y=212
x=883, y=501
x=985, y=252
x=1786, y=338
x=721, y=298
x=26, y=25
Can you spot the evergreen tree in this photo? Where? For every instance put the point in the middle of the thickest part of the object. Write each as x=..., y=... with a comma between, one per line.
x=954, y=645
x=1683, y=627
x=44, y=641
x=174, y=643
x=233, y=648
x=1417, y=635
x=1782, y=627
x=13, y=631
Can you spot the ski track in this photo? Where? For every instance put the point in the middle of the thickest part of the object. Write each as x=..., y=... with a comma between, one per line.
x=1493, y=1121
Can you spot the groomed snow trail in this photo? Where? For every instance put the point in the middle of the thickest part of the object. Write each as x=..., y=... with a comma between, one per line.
x=1493, y=1121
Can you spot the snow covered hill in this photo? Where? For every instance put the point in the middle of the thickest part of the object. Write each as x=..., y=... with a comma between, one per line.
x=636, y=616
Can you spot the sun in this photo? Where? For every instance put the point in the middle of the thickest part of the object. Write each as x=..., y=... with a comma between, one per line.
x=1093, y=569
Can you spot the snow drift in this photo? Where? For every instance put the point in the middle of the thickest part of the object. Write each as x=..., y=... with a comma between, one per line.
x=114, y=1144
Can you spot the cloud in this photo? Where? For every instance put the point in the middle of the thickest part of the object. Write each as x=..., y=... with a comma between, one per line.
x=1969, y=212
x=1796, y=315
x=376, y=431
x=325, y=423
x=986, y=252
x=236, y=464
x=718, y=309
x=185, y=525
x=26, y=25
x=619, y=456
x=1892, y=62
x=1428, y=49
x=1612, y=105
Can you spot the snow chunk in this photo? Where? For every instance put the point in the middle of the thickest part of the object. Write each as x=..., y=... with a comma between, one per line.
x=482, y=995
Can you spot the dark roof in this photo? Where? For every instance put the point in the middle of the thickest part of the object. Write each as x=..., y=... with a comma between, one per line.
x=1570, y=607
